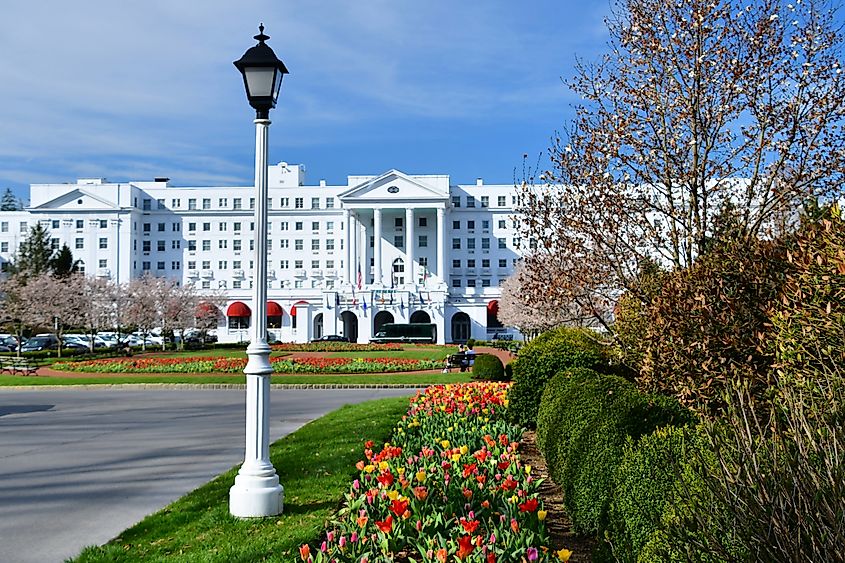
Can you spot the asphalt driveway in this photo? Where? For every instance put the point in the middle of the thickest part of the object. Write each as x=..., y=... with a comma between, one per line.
x=79, y=466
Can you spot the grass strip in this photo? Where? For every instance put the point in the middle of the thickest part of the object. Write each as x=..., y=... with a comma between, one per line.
x=432, y=378
x=315, y=465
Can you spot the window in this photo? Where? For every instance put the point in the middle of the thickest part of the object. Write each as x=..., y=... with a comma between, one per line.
x=329, y=203
x=397, y=222
x=236, y=264
x=104, y=242
x=236, y=244
x=206, y=226
x=315, y=264
x=206, y=264
x=54, y=224
x=222, y=265
x=470, y=283
x=160, y=265
x=485, y=263
x=456, y=264
x=470, y=263
x=485, y=244
x=160, y=246
x=192, y=265
x=147, y=204
x=315, y=225
x=159, y=204
x=175, y=202
x=503, y=243
x=284, y=243
x=298, y=285
x=456, y=282
x=222, y=226
x=252, y=244
x=223, y=243
x=471, y=225
x=299, y=203
x=456, y=244
x=192, y=245
x=236, y=203
x=315, y=203
x=206, y=203
x=146, y=245
x=4, y=226
x=423, y=241
x=330, y=226
x=145, y=265
x=146, y=227
x=236, y=226
x=456, y=202
x=103, y=263
x=485, y=201
x=503, y=262
x=456, y=225
x=423, y=222
x=206, y=245
x=297, y=264
x=22, y=226
x=502, y=224
x=470, y=201
x=470, y=244
x=284, y=264
x=4, y=247
x=161, y=227
x=192, y=204
x=223, y=202
x=330, y=244
x=80, y=243
x=501, y=201
x=236, y=284
x=515, y=242
x=269, y=244
x=372, y=241
x=285, y=202
x=192, y=227
x=176, y=227
x=206, y=284
x=252, y=203
x=398, y=241
x=485, y=282
x=298, y=226
x=329, y=264
x=485, y=224
x=283, y=226
x=175, y=265
x=297, y=244
x=175, y=244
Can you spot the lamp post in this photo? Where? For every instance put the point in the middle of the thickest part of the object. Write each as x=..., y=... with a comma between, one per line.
x=257, y=491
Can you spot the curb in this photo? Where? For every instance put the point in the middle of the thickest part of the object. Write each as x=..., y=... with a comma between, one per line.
x=213, y=386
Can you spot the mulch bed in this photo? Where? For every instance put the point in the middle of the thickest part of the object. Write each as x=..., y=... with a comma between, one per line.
x=557, y=522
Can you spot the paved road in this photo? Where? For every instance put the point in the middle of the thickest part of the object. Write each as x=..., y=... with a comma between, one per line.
x=77, y=467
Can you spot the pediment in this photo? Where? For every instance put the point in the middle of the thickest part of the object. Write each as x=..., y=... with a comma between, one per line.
x=392, y=187
x=76, y=200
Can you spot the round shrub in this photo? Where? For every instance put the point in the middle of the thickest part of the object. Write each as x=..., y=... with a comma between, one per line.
x=585, y=420
x=488, y=367
x=540, y=359
x=508, y=371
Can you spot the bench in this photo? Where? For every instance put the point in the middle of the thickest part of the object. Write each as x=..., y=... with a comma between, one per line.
x=22, y=366
x=461, y=361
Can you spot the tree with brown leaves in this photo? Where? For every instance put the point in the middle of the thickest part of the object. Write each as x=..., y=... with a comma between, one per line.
x=696, y=107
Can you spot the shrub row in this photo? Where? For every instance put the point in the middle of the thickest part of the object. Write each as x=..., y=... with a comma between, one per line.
x=613, y=451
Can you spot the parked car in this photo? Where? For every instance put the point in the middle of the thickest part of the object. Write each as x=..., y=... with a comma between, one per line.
x=41, y=342
x=331, y=338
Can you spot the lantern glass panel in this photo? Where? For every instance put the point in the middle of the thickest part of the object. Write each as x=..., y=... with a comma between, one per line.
x=259, y=82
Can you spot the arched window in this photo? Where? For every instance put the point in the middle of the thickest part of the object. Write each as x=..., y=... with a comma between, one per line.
x=398, y=272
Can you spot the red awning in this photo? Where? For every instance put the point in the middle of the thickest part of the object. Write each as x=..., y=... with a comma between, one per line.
x=274, y=309
x=238, y=309
x=493, y=307
x=206, y=310
x=293, y=308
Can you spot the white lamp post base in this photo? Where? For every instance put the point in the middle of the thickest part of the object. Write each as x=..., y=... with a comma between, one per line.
x=256, y=497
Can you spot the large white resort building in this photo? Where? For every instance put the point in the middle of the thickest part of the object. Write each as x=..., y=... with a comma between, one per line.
x=341, y=259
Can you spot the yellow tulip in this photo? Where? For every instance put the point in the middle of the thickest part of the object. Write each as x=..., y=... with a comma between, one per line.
x=383, y=465
x=445, y=444
x=369, y=468
x=541, y=514
x=563, y=554
x=421, y=476
x=464, y=450
x=527, y=469
x=393, y=494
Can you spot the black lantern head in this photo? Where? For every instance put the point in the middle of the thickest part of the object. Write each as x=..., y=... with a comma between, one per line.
x=262, y=72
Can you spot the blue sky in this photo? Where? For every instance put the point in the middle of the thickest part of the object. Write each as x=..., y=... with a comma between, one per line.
x=135, y=89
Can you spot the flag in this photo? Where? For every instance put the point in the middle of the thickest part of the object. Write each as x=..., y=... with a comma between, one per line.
x=354, y=299
x=422, y=301
x=328, y=306
x=359, y=277
x=365, y=305
x=337, y=300
x=425, y=275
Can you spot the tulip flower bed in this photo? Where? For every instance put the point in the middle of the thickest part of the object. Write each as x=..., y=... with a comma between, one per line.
x=236, y=365
x=450, y=486
x=335, y=347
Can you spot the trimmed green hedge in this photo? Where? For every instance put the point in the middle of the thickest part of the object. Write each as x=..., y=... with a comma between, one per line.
x=488, y=367
x=543, y=357
x=584, y=423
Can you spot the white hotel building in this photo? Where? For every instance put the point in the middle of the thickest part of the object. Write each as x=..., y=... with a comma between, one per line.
x=426, y=250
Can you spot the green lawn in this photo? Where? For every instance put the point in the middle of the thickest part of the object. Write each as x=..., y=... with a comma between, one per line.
x=315, y=465
x=356, y=379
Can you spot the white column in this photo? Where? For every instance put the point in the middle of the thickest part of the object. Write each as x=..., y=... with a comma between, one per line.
x=377, y=246
x=441, y=244
x=348, y=270
x=410, y=269
x=257, y=492
x=354, y=251
x=363, y=254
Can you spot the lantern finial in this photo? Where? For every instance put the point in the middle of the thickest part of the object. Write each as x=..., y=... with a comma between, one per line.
x=261, y=37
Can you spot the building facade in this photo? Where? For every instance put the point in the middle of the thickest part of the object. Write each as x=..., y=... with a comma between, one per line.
x=341, y=259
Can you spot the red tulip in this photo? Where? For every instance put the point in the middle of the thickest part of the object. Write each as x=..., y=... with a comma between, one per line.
x=465, y=547
x=385, y=525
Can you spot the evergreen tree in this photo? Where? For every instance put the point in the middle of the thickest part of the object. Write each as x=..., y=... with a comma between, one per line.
x=63, y=263
x=9, y=202
x=35, y=255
